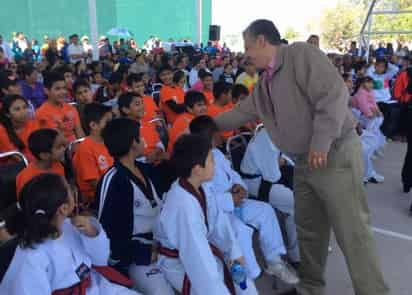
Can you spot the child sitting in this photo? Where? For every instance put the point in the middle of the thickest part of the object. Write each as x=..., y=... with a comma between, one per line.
x=15, y=125
x=231, y=192
x=58, y=255
x=128, y=208
x=172, y=94
x=222, y=92
x=239, y=92
x=91, y=159
x=47, y=146
x=83, y=96
x=227, y=75
x=382, y=73
x=207, y=81
x=131, y=106
x=196, y=236
x=261, y=171
x=195, y=103
x=371, y=119
x=136, y=84
x=55, y=112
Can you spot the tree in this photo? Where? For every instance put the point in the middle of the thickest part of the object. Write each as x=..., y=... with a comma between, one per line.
x=340, y=24
x=291, y=34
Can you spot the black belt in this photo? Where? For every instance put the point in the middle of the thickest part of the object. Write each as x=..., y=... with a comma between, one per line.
x=249, y=176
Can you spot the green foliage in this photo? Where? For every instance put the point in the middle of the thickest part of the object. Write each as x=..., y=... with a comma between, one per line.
x=339, y=24
x=291, y=34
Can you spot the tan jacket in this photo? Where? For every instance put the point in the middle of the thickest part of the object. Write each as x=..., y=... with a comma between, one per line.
x=308, y=108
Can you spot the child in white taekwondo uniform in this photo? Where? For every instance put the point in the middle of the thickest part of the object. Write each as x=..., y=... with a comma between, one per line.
x=231, y=192
x=128, y=208
x=196, y=239
x=57, y=255
x=261, y=172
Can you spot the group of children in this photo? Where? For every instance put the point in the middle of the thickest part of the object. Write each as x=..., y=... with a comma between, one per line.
x=371, y=102
x=166, y=208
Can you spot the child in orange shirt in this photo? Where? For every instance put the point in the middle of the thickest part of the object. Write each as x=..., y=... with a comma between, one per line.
x=136, y=84
x=195, y=103
x=207, y=80
x=172, y=95
x=131, y=106
x=15, y=125
x=47, y=147
x=83, y=95
x=241, y=92
x=222, y=92
x=55, y=112
x=92, y=159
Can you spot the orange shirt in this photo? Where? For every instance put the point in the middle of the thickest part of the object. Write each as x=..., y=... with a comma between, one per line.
x=214, y=110
x=6, y=145
x=210, y=99
x=32, y=170
x=64, y=118
x=181, y=126
x=168, y=93
x=150, y=137
x=90, y=162
x=151, y=110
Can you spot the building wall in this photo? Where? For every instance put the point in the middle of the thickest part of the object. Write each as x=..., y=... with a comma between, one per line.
x=163, y=18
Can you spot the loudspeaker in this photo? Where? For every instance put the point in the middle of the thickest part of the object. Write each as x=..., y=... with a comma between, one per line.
x=214, y=33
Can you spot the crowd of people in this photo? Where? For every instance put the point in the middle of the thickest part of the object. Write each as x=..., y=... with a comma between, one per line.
x=128, y=186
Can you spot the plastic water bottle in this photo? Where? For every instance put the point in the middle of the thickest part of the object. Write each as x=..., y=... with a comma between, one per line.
x=239, y=275
x=238, y=212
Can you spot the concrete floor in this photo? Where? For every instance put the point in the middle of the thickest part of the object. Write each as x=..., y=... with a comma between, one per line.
x=393, y=233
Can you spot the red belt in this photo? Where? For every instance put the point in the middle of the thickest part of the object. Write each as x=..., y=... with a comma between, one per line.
x=107, y=272
x=173, y=253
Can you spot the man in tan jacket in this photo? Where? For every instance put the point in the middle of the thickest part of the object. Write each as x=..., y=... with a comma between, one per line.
x=303, y=103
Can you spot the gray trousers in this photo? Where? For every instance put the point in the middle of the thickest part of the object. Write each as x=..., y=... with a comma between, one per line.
x=334, y=198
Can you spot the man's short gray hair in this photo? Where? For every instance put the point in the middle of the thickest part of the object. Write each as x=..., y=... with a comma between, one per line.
x=263, y=27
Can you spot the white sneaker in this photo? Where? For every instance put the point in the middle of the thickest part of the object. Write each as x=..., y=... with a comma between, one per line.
x=377, y=178
x=282, y=272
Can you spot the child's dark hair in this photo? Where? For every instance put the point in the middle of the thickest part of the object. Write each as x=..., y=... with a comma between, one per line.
x=203, y=125
x=227, y=65
x=164, y=68
x=203, y=74
x=220, y=88
x=359, y=66
x=177, y=76
x=239, y=90
x=118, y=136
x=134, y=78
x=5, y=120
x=63, y=69
x=125, y=100
x=28, y=69
x=115, y=78
x=80, y=83
x=346, y=76
x=194, y=97
x=189, y=151
x=94, y=112
x=361, y=81
x=42, y=141
x=39, y=201
x=382, y=60
x=52, y=77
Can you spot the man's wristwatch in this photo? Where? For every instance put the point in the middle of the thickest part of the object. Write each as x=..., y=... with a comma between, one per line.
x=2, y=224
